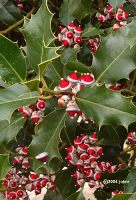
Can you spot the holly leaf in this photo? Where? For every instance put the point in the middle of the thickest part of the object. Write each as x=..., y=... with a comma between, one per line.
x=4, y=165
x=54, y=70
x=108, y=134
x=65, y=185
x=130, y=8
x=106, y=107
x=14, y=97
x=55, y=195
x=65, y=14
x=130, y=186
x=47, y=135
x=114, y=57
x=69, y=59
x=76, y=196
x=122, y=197
x=133, y=197
x=12, y=68
x=10, y=130
x=132, y=2
x=131, y=30
x=9, y=12
x=116, y=3
x=92, y=31
x=39, y=36
x=115, y=181
x=69, y=54
x=80, y=8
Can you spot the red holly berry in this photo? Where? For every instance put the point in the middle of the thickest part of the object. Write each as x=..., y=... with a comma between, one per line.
x=73, y=77
x=41, y=104
x=69, y=34
x=64, y=85
x=42, y=157
x=78, y=30
x=77, y=39
x=71, y=26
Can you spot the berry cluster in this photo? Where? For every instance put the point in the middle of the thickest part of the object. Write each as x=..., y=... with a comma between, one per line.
x=109, y=13
x=35, y=114
x=132, y=137
x=20, y=179
x=21, y=158
x=69, y=87
x=117, y=86
x=70, y=35
x=93, y=43
x=117, y=192
x=85, y=154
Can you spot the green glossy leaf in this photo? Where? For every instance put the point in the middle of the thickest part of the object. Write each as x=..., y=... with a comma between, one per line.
x=52, y=195
x=76, y=196
x=133, y=2
x=69, y=54
x=133, y=197
x=54, y=70
x=47, y=135
x=131, y=31
x=39, y=36
x=91, y=31
x=9, y=12
x=69, y=59
x=4, y=165
x=12, y=68
x=106, y=107
x=122, y=197
x=80, y=8
x=65, y=14
x=116, y=3
x=114, y=59
x=130, y=8
x=130, y=187
x=115, y=181
x=65, y=185
x=14, y=97
x=76, y=65
x=10, y=130
x=108, y=134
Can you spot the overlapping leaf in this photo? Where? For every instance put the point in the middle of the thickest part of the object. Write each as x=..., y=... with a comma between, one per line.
x=65, y=14
x=71, y=9
x=12, y=62
x=130, y=186
x=80, y=8
x=47, y=135
x=124, y=196
x=76, y=196
x=39, y=36
x=4, y=165
x=115, y=59
x=116, y=3
x=9, y=12
x=92, y=31
x=69, y=59
x=14, y=97
x=106, y=107
x=9, y=130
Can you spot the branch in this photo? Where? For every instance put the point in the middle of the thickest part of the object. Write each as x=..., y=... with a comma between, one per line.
x=12, y=27
x=50, y=91
x=133, y=81
x=129, y=92
x=45, y=98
